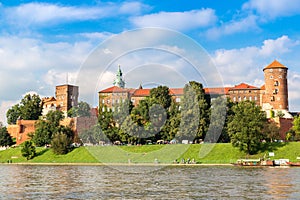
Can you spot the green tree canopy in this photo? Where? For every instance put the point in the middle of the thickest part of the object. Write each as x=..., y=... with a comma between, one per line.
x=46, y=128
x=5, y=138
x=28, y=150
x=61, y=143
x=194, y=112
x=246, y=127
x=30, y=108
x=82, y=110
x=296, y=125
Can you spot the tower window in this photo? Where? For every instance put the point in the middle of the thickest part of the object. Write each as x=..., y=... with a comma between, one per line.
x=280, y=76
x=271, y=77
x=276, y=83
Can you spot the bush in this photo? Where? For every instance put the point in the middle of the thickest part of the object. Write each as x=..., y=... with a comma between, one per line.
x=28, y=150
x=61, y=144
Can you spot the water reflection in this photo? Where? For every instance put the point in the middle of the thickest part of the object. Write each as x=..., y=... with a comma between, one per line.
x=282, y=183
x=173, y=182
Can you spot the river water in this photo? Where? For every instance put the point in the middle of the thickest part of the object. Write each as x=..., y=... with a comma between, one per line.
x=148, y=182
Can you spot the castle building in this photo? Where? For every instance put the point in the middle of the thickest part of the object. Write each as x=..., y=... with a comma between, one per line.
x=66, y=97
x=272, y=96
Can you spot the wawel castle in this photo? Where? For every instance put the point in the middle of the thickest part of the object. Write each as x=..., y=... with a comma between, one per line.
x=272, y=96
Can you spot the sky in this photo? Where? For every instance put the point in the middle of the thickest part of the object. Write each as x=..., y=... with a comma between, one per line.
x=48, y=43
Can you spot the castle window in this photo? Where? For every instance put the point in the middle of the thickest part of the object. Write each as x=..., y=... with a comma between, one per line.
x=275, y=91
x=108, y=100
x=103, y=101
x=245, y=98
x=113, y=102
x=177, y=99
x=272, y=98
x=280, y=69
x=276, y=83
x=280, y=76
x=250, y=98
x=271, y=77
x=240, y=99
x=255, y=98
x=234, y=99
x=271, y=70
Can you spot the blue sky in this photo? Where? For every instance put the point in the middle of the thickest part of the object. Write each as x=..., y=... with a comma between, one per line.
x=42, y=41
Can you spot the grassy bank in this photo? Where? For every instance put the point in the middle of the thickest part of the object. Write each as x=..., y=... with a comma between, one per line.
x=201, y=153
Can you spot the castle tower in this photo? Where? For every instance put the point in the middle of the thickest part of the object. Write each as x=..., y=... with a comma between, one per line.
x=276, y=88
x=119, y=79
x=66, y=97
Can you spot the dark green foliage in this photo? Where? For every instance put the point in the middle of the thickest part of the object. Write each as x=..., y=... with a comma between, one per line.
x=271, y=131
x=61, y=143
x=82, y=110
x=296, y=126
x=28, y=150
x=246, y=127
x=216, y=130
x=5, y=138
x=13, y=114
x=30, y=108
x=54, y=117
x=46, y=128
x=43, y=133
x=93, y=135
x=194, y=113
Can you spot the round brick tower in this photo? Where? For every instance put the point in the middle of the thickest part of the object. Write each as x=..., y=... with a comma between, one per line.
x=276, y=88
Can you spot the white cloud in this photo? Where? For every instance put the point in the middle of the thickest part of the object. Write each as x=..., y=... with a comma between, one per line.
x=43, y=14
x=97, y=35
x=177, y=20
x=278, y=46
x=246, y=64
x=4, y=106
x=234, y=26
x=274, y=8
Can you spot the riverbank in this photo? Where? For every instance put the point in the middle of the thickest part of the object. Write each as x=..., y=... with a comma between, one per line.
x=204, y=154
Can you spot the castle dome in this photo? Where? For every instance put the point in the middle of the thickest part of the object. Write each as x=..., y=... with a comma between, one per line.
x=275, y=64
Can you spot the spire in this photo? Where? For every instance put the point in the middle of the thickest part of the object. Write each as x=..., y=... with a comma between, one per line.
x=119, y=79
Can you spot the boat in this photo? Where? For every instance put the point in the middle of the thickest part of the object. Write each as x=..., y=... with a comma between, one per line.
x=254, y=162
x=294, y=164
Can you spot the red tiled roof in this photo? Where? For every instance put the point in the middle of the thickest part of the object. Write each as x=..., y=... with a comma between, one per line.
x=140, y=92
x=243, y=86
x=275, y=64
x=220, y=90
x=176, y=91
x=114, y=89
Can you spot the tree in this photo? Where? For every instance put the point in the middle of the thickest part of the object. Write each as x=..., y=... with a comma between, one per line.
x=28, y=150
x=30, y=108
x=82, y=110
x=246, y=128
x=271, y=131
x=61, y=143
x=194, y=112
x=13, y=114
x=46, y=128
x=217, y=121
x=5, y=138
x=296, y=125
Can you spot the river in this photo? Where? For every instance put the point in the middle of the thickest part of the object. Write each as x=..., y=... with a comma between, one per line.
x=148, y=182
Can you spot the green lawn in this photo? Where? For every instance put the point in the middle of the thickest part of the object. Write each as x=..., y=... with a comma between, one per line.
x=202, y=153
